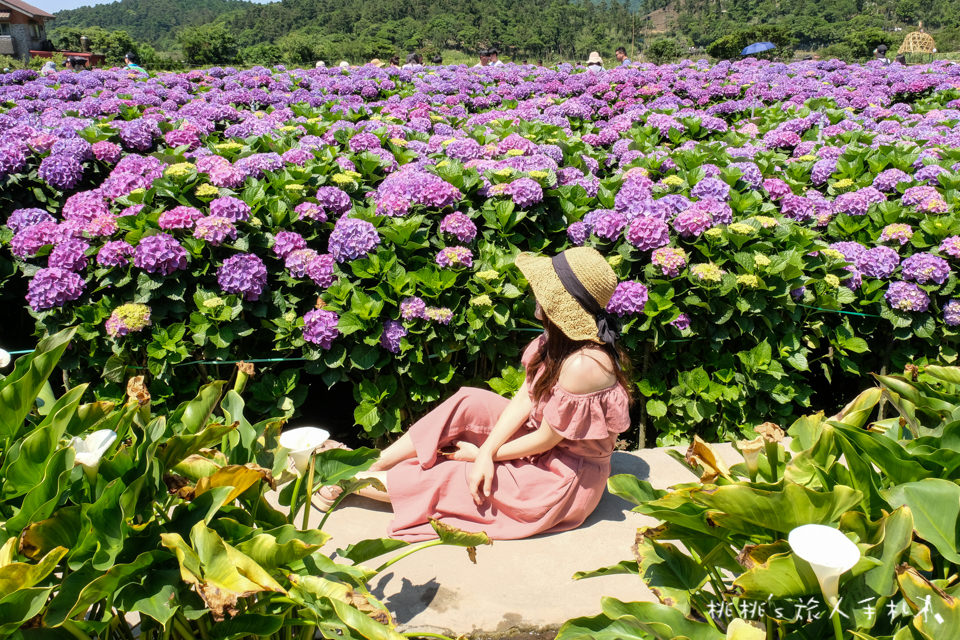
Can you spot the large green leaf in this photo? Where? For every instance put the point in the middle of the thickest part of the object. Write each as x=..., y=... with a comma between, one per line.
x=891, y=543
x=25, y=461
x=364, y=550
x=155, y=595
x=269, y=553
x=938, y=611
x=601, y=627
x=193, y=415
x=87, y=586
x=20, y=388
x=668, y=572
x=221, y=573
x=457, y=537
x=232, y=406
x=887, y=454
x=744, y=508
x=60, y=529
x=257, y=625
x=40, y=503
x=334, y=465
x=22, y=575
x=178, y=447
x=20, y=606
x=633, y=489
x=622, y=567
x=935, y=505
x=663, y=622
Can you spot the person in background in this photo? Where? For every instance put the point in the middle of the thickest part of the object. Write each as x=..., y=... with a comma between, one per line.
x=880, y=53
x=484, y=58
x=414, y=61
x=494, y=58
x=320, y=65
x=902, y=59
x=344, y=64
x=621, y=55
x=49, y=67
x=594, y=62
x=437, y=59
x=133, y=65
x=75, y=63
x=395, y=61
x=375, y=63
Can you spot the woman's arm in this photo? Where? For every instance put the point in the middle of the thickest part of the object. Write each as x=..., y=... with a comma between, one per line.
x=543, y=439
x=516, y=413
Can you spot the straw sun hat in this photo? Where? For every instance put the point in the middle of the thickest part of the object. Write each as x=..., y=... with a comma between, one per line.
x=558, y=304
x=594, y=58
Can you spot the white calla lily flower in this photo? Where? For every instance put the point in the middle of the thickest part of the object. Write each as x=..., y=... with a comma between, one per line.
x=4, y=359
x=301, y=443
x=829, y=553
x=90, y=449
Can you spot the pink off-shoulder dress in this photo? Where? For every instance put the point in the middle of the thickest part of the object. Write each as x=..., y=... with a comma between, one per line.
x=553, y=491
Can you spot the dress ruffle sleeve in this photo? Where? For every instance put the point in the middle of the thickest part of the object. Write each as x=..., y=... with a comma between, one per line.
x=591, y=416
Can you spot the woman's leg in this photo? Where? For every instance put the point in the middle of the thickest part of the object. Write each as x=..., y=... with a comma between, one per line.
x=373, y=492
x=397, y=452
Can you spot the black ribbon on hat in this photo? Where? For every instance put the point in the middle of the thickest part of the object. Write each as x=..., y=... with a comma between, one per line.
x=608, y=328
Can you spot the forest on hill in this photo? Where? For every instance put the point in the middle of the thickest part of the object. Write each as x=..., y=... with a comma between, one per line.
x=155, y=22
x=300, y=31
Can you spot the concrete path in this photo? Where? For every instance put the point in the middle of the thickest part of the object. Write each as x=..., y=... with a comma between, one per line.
x=516, y=585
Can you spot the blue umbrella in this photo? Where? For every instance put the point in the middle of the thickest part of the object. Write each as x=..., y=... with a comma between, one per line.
x=757, y=47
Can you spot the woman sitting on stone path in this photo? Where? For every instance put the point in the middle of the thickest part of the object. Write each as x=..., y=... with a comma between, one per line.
x=539, y=462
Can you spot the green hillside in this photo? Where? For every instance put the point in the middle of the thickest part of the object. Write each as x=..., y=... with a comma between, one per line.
x=152, y=21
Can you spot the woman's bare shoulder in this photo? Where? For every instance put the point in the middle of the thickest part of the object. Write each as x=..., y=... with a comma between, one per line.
x=588, y=370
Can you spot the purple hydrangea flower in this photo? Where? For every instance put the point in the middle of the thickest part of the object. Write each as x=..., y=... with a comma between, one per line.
x=851, y=250
x=443, y=315
x=896, y=232
x=681, y=322
x=160, y=253
x=115, y=253
x=243, y=274
x=711, y=188
x=310, y=211
x=23, y=218
x=607, y=224
x=393, y=331
x=286, y=241
x=692, y=222
x=106, y=151
x=52, y=287
x=413, y=308
x=128, y=318
x=628, y=298
x=951, y=246
x=455, y=257
x=889, y=179
x=671, y=260
x=69, y=254
x=320, y=327
x=878, y=262
x=334, y=200
x=906, y=296
x=822, y=170
x=951, y=313
x=298, y=261
x=925, y=267
x=215, y=229
x=647, y=232
x=320, y=270
x=352, y=238
x=61, y=171
x=578, y=233
x=459, y=225
x=525, y=192
x=181, y=217
x=230, y=208
x=777, y=188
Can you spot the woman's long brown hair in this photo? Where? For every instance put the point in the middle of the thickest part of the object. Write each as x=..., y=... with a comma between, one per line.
x=557, y=347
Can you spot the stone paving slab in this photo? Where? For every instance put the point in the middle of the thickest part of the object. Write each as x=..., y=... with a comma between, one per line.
x=515, y=584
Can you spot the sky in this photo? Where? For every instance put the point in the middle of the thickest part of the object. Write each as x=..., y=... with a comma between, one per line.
x=52, y=6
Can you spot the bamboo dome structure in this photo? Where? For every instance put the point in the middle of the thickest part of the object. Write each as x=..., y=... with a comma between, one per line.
x=918, y=41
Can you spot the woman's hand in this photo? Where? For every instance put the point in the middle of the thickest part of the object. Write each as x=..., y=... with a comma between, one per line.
x=466, y=451
x=480, y=480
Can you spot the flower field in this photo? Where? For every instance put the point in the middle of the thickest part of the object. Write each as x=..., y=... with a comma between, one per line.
x=779, y=229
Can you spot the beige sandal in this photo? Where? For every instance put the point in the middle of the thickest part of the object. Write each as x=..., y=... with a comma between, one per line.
x=324, y=498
